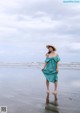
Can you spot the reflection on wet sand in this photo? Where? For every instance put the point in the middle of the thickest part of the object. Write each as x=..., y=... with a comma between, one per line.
x=52, y=106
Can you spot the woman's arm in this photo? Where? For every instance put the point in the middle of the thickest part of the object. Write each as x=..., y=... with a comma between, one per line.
x=57, y=69
x=45, y=62
x=44, y=65
x=57, y=65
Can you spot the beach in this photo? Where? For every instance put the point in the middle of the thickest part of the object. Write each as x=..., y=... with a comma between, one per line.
x=23, y=89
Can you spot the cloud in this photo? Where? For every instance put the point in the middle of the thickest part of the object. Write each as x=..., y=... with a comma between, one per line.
x=37, y=23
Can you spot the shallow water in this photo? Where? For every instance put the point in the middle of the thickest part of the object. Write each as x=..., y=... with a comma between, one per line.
x=24, y=90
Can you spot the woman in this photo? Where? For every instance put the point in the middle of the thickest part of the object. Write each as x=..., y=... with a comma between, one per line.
x=50, y=68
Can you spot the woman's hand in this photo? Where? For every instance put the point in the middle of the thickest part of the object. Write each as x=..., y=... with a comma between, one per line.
x=44, y=65
x=43, y=68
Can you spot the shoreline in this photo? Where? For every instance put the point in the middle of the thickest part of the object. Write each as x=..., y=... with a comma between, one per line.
x=75, y=65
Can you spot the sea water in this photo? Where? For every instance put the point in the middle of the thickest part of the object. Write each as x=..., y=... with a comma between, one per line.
x=23, y=90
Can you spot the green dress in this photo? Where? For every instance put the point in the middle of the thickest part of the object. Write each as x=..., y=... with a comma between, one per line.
x=50, y=70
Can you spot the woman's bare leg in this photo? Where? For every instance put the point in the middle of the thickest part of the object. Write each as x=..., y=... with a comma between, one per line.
x=47, y=85
x=55, y=87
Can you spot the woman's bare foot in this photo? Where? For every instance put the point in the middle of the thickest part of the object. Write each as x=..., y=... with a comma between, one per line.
x=55, y=92
x=48, y=91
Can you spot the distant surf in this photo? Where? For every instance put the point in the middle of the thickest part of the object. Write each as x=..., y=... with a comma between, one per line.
x=71, y=65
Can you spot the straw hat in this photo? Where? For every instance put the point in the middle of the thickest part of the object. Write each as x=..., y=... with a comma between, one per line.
x=51, y=46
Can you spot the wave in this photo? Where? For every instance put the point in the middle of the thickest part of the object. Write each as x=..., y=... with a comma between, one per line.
x=72, y=65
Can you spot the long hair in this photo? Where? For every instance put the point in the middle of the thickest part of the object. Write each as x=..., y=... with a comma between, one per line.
x=49, y=52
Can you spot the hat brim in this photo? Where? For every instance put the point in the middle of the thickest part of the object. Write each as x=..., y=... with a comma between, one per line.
x=49, y=46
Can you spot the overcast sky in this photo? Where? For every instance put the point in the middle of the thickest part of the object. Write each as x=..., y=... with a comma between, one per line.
x=27, y=26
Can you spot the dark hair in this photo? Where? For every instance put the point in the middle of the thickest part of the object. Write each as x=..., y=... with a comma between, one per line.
x=54, y=49
x=49, y=52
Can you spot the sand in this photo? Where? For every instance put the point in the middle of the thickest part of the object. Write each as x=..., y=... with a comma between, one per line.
x=23, y=90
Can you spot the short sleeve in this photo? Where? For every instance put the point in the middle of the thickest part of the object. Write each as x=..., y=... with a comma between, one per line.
x=58, y=58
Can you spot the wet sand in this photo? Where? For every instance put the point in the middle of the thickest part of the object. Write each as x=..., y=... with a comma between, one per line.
x=23, y=90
